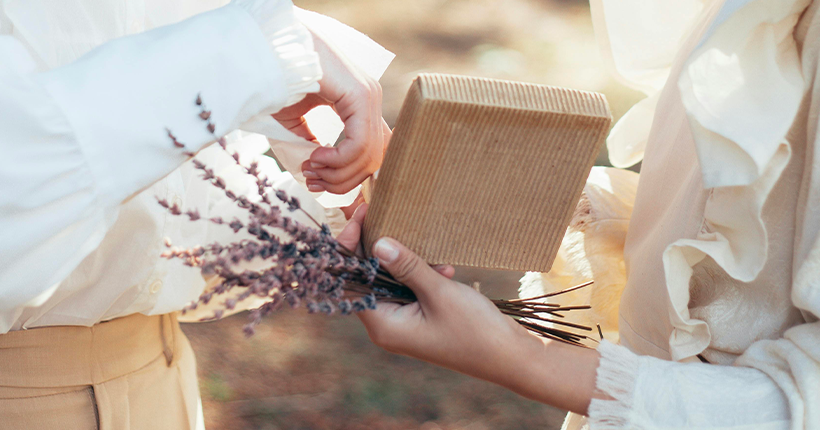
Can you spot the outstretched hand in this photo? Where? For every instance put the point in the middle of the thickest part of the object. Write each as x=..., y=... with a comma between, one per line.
x=455, y=326
x=357, y=99
x=451, y=324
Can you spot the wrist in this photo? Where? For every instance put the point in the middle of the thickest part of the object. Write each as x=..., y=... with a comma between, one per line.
x=554, y=373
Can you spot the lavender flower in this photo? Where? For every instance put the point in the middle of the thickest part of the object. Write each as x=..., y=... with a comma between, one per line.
x=305, y=265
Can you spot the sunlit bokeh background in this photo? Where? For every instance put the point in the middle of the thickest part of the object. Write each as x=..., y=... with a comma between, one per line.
x=316, y=372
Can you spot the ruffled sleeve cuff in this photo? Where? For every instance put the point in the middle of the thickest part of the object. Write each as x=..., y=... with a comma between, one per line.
x=648, y=393
x=291, y=44
x=617, y=375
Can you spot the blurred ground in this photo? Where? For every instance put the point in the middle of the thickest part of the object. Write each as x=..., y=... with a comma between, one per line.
x=314, y=372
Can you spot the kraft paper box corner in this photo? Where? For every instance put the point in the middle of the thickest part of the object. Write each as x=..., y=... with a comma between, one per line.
x=486, y=173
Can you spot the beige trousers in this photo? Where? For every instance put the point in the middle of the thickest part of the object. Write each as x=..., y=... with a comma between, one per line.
x=132, y=373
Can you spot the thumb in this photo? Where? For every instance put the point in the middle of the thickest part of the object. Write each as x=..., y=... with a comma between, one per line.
x=351, y=234
x=407, y=267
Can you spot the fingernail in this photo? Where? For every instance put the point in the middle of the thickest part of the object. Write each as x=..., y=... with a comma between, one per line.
x=385, y=250
x=317, y=165
x=315, y=188
x=310, y=174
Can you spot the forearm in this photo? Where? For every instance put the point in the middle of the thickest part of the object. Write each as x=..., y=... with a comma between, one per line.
x=552, y=372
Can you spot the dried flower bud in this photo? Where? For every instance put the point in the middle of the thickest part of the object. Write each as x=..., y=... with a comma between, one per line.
x=249, y=330
x=345, y=307
x=369, y=301
x=193, y=214
x=293, y=204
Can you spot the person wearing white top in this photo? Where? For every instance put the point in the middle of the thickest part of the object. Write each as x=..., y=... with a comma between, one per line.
x=88, y=91
x=706, y=268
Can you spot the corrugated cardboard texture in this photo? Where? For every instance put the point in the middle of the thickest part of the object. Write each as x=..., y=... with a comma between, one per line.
x=486, y=173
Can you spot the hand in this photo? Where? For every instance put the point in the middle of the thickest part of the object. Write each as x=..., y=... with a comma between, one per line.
x=451, y=324
x=357, y=99
x=455, y=326
x=350, y=236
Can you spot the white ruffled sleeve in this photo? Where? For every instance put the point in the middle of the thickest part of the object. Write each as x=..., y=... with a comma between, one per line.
x=80, y=139
x=741, y=87
x=649, y=393
x=291, y=43
x=639, y=41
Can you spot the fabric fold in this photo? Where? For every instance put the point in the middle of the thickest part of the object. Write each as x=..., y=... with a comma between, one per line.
x=741, y=146
x=291, y=44
x=639, y=42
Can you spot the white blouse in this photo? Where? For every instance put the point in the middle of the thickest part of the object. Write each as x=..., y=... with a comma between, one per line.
x=87, y=89
x=721, y=257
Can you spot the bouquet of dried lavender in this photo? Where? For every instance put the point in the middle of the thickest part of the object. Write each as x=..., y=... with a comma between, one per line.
x=306, y=266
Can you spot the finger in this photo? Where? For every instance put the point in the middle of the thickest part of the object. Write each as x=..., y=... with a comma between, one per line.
x=312, y=179
x=309, y=172
x=315, y=186
x=350, y=210
x=362, y=116
x=388, y=134
x=408, y=268
x=382, y=324
x=360, y=213
x=300, y=109
x=351, y=234
x=364, y=165
x=445, y=270
x=396, y=328
x=343, y=154
x=344, y=187
x=299, y=127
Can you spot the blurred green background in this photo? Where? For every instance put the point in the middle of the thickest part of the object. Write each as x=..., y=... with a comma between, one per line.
x=315, y=372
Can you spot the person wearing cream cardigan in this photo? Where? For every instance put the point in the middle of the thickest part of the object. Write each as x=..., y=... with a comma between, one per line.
x=706, y=267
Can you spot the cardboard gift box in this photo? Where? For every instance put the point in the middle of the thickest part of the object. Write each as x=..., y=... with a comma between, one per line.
x=486, y=173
